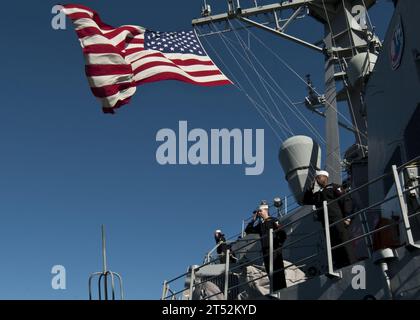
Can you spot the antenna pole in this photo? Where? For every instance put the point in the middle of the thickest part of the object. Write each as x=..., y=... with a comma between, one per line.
x=103, y=250
x=104, y=274
x=333, y=161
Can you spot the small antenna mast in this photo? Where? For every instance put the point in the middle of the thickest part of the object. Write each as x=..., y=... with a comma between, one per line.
x=105, y=275
x=103, y=249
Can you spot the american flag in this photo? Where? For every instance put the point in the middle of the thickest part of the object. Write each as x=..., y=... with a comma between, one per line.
x=119, y=59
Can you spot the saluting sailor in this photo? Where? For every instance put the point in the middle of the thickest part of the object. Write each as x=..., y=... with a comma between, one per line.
x=337, y=210
x=267, y=222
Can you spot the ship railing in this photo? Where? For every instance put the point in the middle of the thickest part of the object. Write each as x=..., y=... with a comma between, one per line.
x=231, y=267
x=399, y=195
x=367, y=233
x=208, y=257
x=289, y=206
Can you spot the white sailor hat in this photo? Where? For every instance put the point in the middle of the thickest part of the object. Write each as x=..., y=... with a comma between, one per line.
x=218, y=231
x=322, y=173
x=263, y=207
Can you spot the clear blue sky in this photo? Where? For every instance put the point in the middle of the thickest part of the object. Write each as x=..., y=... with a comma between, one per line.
x=66, y=168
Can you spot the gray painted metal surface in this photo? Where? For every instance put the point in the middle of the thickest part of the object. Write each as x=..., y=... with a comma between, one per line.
x=392, y=96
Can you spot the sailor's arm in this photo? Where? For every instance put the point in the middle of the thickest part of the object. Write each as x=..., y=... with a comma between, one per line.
x=221, y=245
x=280, y=234
x=250, y=228
x=308, y=196
x=310, y=199
x=345, y=202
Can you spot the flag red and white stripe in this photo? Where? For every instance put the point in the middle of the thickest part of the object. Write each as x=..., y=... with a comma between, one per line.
x=117, y=60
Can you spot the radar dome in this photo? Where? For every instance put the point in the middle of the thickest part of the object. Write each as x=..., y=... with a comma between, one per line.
x=300, y=157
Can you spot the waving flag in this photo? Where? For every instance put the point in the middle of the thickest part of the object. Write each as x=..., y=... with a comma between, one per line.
x=119, y=59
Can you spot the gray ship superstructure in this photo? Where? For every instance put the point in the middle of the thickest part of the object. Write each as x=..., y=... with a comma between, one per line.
x=380, y=81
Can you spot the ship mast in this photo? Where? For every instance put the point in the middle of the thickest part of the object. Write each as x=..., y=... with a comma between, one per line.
x=348, y=41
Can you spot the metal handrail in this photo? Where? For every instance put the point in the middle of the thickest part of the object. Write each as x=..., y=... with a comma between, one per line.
x=176, y=293
x=278, y=230
x=373, y=231
x=371, y=206
x=281, y=248
x=373, y=180
x=314, y=255
x=228, y=241
x=266, y=275
x=404, y=212
x=207, y=259
x=195, y=269
x=276, y=271
x=362, y=210
x=263, y=276
x=366, y=234
x=243, y=264
x=248, y=262
x=349, y=193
